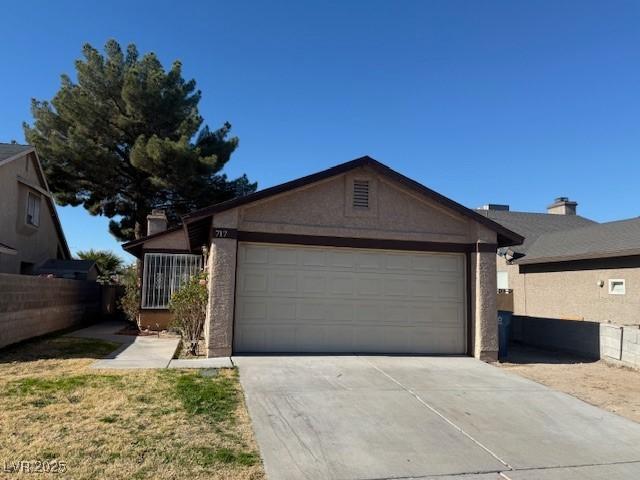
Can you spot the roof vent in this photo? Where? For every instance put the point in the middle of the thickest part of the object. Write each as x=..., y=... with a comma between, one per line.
x=495, y=206
x=361, y=193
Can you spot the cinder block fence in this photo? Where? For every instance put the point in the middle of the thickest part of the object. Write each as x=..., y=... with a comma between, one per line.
x=32, y=306
x=615, y=343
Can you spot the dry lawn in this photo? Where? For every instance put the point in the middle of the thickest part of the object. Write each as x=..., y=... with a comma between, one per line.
x=613, y=388
x=156, y=424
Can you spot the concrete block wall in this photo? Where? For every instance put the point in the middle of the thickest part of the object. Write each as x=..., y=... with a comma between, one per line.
x=630, y=354
x=619, y=344
x=32, y=306
x=610, y=341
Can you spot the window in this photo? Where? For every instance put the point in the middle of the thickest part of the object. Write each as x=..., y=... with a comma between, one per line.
x=503, y=280
x=163, y=274
x=33, y=209
x=361, y=193
x=617, y=286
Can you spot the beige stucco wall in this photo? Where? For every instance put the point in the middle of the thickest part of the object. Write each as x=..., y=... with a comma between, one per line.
x=324, y=208
x=34, y=245
x=176, y=240
x=575, y=295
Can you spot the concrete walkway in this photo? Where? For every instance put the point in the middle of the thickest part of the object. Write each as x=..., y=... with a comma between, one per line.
x=143, y=352
x=384, y=417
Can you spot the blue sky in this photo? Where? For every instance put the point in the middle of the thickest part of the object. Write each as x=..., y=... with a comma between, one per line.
x=495, y=101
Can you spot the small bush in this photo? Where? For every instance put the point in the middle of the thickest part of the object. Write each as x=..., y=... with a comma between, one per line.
x=130, y=301
x=189, y=308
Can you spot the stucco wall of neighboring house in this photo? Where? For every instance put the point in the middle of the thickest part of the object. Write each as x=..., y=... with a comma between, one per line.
x=34, y=244
x=576, y=295
x=516, y=283
x=323, y=209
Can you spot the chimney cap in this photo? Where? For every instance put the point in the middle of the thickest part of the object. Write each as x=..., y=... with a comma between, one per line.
x=562, y=201
x=158, y=212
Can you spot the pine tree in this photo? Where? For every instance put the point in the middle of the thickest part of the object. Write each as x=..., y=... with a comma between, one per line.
x=127, y=137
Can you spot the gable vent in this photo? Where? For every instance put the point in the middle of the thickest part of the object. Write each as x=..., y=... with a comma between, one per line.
x=361, y=193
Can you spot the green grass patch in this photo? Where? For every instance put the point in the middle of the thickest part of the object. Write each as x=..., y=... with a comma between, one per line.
x=59, y=347
x=206, y=456
x=215, y=398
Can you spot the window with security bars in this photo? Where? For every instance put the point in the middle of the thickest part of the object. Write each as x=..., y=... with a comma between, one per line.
x=361, y=193
x=164, y=274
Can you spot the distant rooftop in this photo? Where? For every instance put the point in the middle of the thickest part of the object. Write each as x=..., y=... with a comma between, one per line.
x=8, y=150
x=600, y=240
x=532, y=225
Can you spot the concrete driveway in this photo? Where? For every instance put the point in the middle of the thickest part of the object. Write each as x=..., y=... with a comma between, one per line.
x=379, y=417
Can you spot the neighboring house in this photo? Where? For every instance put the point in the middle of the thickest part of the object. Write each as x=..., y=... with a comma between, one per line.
x=30, y=231
x=356, y=258
x=569, y=275
x=71, y=269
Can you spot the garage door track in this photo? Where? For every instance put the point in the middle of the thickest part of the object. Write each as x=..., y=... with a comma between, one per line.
x=385, y=417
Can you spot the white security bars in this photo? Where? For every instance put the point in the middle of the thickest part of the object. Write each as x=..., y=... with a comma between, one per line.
x=163, y=274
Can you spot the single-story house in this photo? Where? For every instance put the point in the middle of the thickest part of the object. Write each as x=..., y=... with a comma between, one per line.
x=356, y=258
x=72, y=269
x=569, y=275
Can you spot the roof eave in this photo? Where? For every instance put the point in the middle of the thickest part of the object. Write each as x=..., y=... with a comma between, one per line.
x=506, y=237
x=584, y=256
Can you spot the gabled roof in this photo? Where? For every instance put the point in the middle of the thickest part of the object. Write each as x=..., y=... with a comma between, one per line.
x=13, y=151
x=134, y=247
x=531, y=225
x=198, y=223
x=602, y=240
x=10, y=151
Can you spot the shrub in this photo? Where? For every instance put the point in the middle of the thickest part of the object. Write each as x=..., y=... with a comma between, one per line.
x=130, y=301
x=189, y=308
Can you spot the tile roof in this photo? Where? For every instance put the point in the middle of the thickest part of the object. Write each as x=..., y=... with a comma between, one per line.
x=8, y=150
x=532, y=225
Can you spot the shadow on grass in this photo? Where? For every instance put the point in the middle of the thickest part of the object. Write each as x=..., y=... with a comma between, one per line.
x=519, y=354
x=57, y=347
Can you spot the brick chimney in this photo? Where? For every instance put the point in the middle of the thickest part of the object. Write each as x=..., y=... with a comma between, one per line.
x=156, y=221
x=562, y=206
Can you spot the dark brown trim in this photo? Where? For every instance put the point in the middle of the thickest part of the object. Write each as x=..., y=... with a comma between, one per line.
x=469, y=286
x=167, y=250
x=505, y=236
x=371, y=243
x=235, y=296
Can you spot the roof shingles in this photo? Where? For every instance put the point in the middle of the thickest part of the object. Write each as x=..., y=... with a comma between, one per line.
x=8, y=150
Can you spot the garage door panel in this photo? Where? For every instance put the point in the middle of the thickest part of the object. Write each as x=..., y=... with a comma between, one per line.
x=321, y=299
x=283, y=283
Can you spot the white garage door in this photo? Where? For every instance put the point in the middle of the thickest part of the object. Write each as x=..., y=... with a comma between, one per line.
x=324, y=299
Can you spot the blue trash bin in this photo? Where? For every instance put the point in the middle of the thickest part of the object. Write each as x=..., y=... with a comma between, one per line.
x=504, y=324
